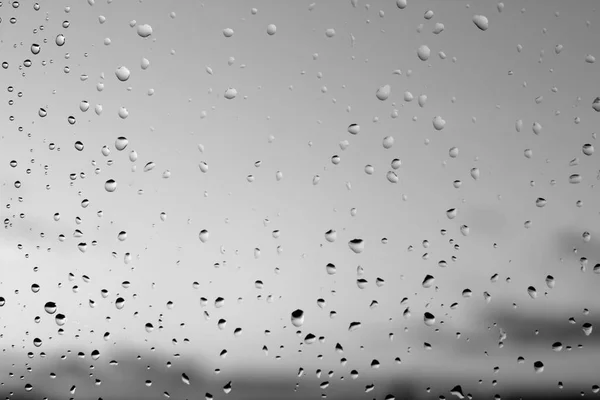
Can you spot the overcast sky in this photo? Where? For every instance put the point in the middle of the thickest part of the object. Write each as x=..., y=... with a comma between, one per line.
x=233, y=126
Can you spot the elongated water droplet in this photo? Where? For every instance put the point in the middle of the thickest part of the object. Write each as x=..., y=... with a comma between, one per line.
x=481, y=22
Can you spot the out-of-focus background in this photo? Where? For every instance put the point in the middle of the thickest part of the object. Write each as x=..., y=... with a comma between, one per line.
x=322, y=199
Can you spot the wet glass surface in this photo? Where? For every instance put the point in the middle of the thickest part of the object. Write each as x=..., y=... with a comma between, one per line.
x=304, y=200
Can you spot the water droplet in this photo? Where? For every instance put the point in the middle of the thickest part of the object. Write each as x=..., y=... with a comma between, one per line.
x=538, y=367
x=537, y=128
x=587, y=328
x=50, y=307
x=481, y=22
x=331, y=269
x=331, y=235
x=35, y=49
x=423, y=52
x=453, y=152
x=120, y=303
x=451, y=213
x=429, y=319
x=590, y=59
x=123, y=113
x=271, y=29
x=203, y=236
x=144, y=30
x=60, y=40
x=392, y=177
x=596, y=104
x=388, y=142
x=464, y=229
x=587, y=149
x=438, y=28
x=228, y=32
x=438, y=123
x=575, y=179
x=121, y=143
x=557, y=346
x=297, y=318
x=550, y=281
x=401, y=4
x=354, y=129
x=122, y=73
x=79, y=146
x=230, y=93
x=110, y=185
x=149, y=166
x=383, y=93
x=540, y=202
x=185, y=379
x=60, y=319
x=356, y=245
x=475, y=173
x=330, y=32
x=428, y=281
x=532, y=292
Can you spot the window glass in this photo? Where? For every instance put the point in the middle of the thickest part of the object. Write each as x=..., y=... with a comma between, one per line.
x=299, y=200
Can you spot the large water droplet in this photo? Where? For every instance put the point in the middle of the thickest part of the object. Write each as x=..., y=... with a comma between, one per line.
x=383, y=93
x=122, y=73
x=230, y=93
x=110, y=185
x=50, y=307
x=356, y=245
x=423, y=52
x=331, y=235
x=144, y=30
x=354, y=129
x=121, y=143
x=438, y=123
x=392, y=177
x=297, y=318
x=481, y=22
x=429, y=319
x=203, y=235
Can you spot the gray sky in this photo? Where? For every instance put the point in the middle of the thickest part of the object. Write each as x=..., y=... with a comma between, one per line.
x=298, y=90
